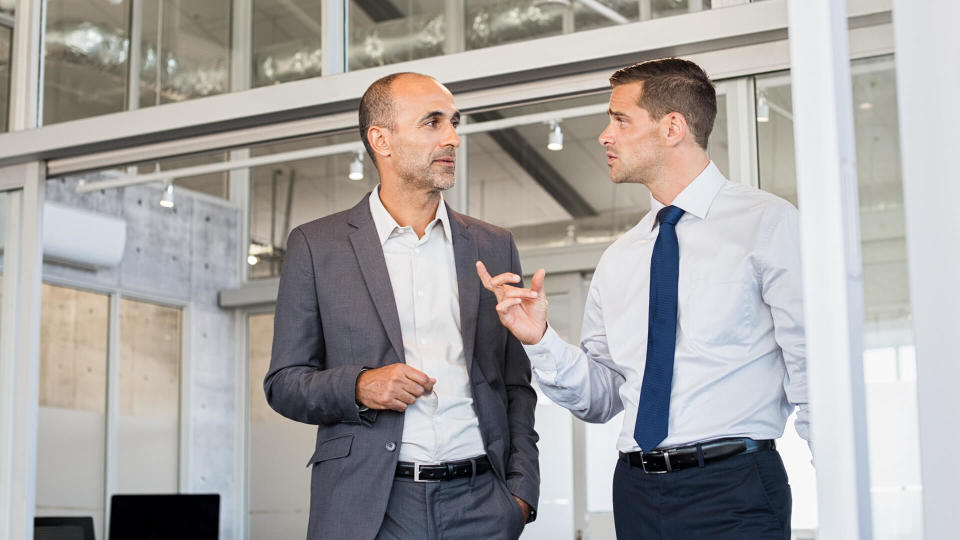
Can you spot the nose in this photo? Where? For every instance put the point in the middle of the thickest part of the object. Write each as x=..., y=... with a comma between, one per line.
x=605, y=137
x=451, y=137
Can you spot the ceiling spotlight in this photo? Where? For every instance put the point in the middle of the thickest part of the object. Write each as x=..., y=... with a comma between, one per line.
x=252, y=260
x=356, y=167
x=555, y=140
x=167, y=200
x=865, y=106
x=763, y=109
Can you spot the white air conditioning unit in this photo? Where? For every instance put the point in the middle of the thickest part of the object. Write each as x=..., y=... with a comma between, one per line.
x=82, y=238
x=79, y=238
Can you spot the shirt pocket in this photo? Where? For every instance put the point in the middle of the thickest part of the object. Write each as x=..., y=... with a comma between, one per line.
x=717, y=311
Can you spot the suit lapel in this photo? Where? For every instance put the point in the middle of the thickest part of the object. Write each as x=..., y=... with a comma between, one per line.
x=373, y=267
x=468, y=284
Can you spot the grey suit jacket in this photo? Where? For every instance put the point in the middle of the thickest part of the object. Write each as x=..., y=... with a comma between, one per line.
x=336, y=314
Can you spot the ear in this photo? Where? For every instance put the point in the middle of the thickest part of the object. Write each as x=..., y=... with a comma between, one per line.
x=675, y=128
x=379, y=138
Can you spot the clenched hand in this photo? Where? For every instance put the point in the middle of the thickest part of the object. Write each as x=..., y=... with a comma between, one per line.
x=393, y=387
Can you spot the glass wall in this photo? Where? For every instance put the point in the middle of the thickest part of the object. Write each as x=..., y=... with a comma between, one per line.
x=183, y=53
x=71, y=430
x=285, y=195
x=278, y=448
x=148, y=424
x=86, y=47
x=889, y=361
x=287, y=40
x=554, y=198
x=110, y=56
x=184, y=50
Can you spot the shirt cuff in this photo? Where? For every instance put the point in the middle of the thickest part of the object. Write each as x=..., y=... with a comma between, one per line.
x=545, y=353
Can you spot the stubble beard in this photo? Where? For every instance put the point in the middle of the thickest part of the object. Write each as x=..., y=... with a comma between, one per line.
x=428, y=178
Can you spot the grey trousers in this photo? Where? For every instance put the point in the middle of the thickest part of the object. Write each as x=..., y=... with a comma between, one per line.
x=452, y=510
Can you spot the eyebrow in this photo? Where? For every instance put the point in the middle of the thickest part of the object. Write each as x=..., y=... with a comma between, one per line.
x=439, y=114
x=611, y=112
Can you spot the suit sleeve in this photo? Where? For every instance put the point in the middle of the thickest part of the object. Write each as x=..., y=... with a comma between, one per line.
x=523, y=466
x=298, y=384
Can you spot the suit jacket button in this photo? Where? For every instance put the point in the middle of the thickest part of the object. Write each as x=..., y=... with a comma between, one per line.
x=391, y=446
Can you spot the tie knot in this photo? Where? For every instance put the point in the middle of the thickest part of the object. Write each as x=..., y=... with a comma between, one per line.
x=669, y=214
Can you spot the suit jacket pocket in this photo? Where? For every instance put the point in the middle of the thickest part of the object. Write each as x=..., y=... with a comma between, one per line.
x=336, y=447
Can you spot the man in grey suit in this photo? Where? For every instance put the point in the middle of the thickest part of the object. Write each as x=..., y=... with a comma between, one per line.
x=386, y=340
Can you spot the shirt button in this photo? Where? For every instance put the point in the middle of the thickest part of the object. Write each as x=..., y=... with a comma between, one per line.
x=390, y=446
x=419, y=293
x=417, y=251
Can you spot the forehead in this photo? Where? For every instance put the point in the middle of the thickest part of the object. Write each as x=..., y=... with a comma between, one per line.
x=625, y=97
x=414, y=96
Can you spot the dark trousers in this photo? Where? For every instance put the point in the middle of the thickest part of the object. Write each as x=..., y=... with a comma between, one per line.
x=741, y=497
x=458, y=509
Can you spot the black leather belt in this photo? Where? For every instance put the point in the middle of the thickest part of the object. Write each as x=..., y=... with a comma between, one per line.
x=443, y=471
x=695, y=455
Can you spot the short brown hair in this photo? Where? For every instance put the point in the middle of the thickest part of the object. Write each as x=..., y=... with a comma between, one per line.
x=674, y=85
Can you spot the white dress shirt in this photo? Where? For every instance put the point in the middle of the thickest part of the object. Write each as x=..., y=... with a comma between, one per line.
x=440, y=426
x=740, y=362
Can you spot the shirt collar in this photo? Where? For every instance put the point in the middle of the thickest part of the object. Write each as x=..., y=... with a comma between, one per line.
x=696, y=198
x=385, y=223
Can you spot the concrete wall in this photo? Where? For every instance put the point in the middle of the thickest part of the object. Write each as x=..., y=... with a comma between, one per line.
x=185, y=255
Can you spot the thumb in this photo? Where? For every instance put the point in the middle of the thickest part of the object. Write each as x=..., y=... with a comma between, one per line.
x=536, y=284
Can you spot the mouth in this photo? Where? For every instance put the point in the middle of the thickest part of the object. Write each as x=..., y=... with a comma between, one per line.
x=610, y=159
x=448, y=161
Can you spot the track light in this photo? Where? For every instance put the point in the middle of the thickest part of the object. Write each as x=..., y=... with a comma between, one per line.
x=167, y=200
x=252, y=260
x=763, y=109
x=555, y=140
x=356, y=167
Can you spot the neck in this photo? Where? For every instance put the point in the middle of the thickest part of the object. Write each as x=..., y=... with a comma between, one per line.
x=414, y=208
x=676, y=175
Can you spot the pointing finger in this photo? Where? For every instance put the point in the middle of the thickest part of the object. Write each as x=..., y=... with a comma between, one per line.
x=484, y=275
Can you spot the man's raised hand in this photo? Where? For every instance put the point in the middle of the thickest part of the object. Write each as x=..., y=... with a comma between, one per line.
x=522, y=311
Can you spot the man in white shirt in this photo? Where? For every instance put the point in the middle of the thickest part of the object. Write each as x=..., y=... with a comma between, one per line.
x=693, y=325
x=386, y=340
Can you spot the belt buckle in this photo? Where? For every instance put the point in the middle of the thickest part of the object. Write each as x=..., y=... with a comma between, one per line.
x=666, y=458
x=416, y=474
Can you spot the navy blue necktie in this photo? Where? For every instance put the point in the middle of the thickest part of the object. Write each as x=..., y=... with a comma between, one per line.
x=653, y=411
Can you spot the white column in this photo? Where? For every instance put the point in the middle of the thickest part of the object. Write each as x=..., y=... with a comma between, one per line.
x=832, y=270
x=19, y=377
x=927, y=49
x=19, y=373
x=26, y=58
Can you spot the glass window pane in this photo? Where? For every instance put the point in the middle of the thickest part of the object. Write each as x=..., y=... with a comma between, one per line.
x=6, y=37
x=85, y=59
x=279, y=485
x=889, y=364
x=185, y=50
x=73, y=384
x=286, y=40
x=215, y=184
x=385, y=32
x=285, y=195
x=148, y=420
x=550, y=198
